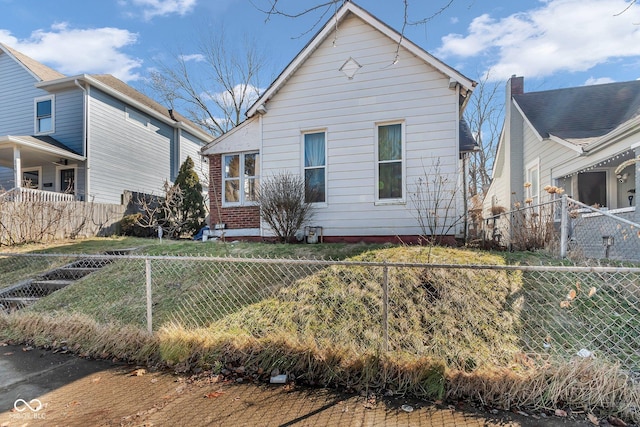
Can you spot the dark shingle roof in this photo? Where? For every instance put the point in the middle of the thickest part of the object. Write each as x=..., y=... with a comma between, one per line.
x=467, y=141
x=581, y=113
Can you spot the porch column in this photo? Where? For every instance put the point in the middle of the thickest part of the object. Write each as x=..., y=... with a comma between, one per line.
x=17, y=167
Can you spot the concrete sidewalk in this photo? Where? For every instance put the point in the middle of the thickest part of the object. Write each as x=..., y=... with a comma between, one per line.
x=64, y=390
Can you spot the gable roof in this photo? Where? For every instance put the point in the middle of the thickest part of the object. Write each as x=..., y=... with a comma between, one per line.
x=581, y=115
x=348, y=7
x=38, y=70
x=50, y=78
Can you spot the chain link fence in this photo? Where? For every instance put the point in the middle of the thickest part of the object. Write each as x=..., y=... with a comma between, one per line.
x=569, y=229
x=467, y=315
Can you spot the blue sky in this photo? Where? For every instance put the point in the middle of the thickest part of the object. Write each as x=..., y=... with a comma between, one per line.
x=553, y=43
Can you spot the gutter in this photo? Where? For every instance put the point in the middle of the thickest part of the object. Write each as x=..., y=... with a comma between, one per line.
x=85, y=138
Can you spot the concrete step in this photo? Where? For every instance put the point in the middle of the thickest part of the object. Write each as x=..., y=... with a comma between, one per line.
x=51, y=285
x=89, y=263
x=23, y=300
x=69, y=273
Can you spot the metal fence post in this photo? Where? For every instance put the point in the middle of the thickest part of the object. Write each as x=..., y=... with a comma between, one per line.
x=147, y=264
x=385, y=305
x=564, y=227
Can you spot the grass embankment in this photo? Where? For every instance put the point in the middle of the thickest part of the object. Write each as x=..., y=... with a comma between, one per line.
x=460, y=332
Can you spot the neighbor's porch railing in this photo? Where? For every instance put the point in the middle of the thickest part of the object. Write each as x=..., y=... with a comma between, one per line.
x=32, y=195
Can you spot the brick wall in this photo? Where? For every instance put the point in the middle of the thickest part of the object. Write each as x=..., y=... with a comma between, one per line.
x=234, y=217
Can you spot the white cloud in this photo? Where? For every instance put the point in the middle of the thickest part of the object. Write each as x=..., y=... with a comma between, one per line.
x=561, y=35
x=598, y=81
x=226, y=98
x=197, y=57
x=153, y=8
x=75, y=51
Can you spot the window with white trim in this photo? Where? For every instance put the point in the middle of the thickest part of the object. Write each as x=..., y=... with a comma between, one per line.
x=592, y=188
x=241, y=177
x=315, y=167
x=44, y=114
x=31, y=178
x=390, y=170
x=532, y=192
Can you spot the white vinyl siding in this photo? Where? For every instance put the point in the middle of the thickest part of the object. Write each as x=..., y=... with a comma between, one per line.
x=319, y=96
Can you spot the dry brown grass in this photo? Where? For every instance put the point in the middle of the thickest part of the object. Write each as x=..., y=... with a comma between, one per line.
x=82, y=335
x=581, y=384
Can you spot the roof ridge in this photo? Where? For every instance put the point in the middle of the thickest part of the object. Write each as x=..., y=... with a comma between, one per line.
x=38, y=69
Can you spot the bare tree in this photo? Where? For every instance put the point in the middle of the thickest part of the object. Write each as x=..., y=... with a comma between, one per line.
x=215, y=85
x=484, y=114
x=324, y=8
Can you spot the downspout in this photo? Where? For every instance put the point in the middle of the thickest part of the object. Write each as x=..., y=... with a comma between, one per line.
x=464, y=165
x=85, y=138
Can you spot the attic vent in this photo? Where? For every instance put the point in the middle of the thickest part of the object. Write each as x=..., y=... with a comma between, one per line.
x=350, y=68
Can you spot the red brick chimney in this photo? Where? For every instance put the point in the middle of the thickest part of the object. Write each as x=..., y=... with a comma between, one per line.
x=517, y=85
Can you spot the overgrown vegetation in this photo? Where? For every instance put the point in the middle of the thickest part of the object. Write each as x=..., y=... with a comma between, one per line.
x=179, y=212
x=456, y=333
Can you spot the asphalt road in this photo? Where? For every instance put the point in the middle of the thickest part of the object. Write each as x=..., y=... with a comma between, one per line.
x=40, y=388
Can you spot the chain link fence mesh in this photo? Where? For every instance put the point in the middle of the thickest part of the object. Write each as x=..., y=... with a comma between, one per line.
x=469, y=316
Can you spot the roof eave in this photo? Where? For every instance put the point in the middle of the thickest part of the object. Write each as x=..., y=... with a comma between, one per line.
x=128, y=100
x=622, y=131
x=51, y=149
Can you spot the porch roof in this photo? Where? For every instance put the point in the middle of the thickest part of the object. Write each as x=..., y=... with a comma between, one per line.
x=40, y=144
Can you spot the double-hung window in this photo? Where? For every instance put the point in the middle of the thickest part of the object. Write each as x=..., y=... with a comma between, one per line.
x=44, y=117
x=532, y=192
x=390, y=172
x=315, y=167
x=241, y=176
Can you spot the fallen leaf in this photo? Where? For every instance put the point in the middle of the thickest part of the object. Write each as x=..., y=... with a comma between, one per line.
x=9, y=353
x=73, y=403
x=571, y=295
x=213, y=394
x=564, y=304
x=29, y=348
x=138, y=372
x=616, y=422
x=594, y=420
x=560, y=413
x=96, y=379
x=154, y=380
x=592, y=291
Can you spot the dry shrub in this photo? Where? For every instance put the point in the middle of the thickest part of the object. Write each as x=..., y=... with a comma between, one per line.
x=581, y=384
x=83, y=335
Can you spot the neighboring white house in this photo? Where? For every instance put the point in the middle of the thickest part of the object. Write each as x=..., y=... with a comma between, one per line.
x=582, y=139
x=361, y=112
x=92, y=136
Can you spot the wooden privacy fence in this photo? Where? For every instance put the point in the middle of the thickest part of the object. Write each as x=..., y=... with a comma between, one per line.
x=37, y=220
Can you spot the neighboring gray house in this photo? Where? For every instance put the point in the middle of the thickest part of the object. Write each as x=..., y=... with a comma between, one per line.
x=89, y=135
x=585, y=140
x=361, y=112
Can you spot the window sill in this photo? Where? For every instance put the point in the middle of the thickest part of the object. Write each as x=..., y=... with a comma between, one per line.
x=390, y=202
x=238, y=205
